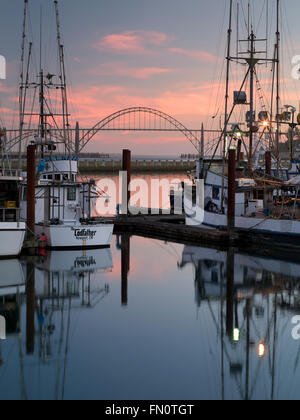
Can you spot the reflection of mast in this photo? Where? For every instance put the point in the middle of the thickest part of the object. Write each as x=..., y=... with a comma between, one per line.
x=222, y=331
x=274, y=349
x=248, y=315
x=23, y=382
x=59, y=351
x=67, y=349
x=30, y=299
x=125, y=267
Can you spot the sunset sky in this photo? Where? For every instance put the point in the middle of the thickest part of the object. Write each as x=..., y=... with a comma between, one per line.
x=164, y=54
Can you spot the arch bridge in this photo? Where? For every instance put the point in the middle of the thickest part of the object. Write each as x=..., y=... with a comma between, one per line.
x=132, y=119
x=139, y=119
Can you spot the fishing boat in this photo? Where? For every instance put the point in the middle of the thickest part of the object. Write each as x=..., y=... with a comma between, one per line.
x=264, y=201
x=64, y=207
x=12, y=229
x=63, y=202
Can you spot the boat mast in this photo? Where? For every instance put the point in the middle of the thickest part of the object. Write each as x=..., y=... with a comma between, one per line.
x=62, y=77
x=226, y=102
x=252, y=62
x=21, y=94
x=278, y=84
x=42, y=111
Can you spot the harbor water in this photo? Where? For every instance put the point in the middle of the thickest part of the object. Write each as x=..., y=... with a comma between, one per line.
x=150, y=320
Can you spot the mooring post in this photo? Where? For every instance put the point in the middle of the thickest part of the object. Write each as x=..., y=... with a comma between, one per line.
x=31, y=155
x=268, y=158
x=125, y=246
x=126, y=167
x=30, y=308
x=231, y=190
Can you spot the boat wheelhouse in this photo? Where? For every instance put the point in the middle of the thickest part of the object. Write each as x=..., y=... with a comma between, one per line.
x=64, y=207
x=12, y=229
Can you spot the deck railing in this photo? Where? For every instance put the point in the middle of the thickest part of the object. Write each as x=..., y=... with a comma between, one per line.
x=11, y=172
x=9, y=215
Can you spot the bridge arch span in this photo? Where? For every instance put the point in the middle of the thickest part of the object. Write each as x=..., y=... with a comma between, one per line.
x=177, y=126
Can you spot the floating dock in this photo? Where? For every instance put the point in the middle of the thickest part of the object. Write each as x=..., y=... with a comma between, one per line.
x=172, y=228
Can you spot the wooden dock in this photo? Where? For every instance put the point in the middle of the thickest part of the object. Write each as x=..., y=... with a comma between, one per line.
x=172, y=228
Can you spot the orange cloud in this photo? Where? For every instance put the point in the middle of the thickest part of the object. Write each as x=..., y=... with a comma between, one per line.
x=131, y=42
x=120, y=69
x=195, y=54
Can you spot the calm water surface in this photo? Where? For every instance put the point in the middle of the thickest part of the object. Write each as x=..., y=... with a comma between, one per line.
x=149, y=320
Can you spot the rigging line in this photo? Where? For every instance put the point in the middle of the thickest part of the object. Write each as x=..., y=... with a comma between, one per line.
x=244, y=16
x=260, y=18
x=229, y=117
x=34, y=55
x=218, y=51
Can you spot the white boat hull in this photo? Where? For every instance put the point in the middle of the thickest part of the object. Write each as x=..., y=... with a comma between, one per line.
x=77, y=235
x=12, y=237
x=290, y=229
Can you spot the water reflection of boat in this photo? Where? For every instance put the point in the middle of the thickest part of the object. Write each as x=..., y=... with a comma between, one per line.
x=57, y=285
x=248, y=303
x=250, y=272
x=76, y=261
x=12, y=290
x=62, y=274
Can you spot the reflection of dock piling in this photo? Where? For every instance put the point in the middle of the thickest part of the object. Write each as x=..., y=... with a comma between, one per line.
x=125, y=267
x=230, y=292
x=30, y=308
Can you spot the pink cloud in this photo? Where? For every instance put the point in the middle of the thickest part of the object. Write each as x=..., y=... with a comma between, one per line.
x=119, y=69
x=132, y=42
x=195, y=54
x=187, y=103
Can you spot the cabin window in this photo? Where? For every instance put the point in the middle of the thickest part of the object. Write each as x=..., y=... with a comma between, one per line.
x=50, y=177
x=71, y=196
x=57, y=177
x=216, y=193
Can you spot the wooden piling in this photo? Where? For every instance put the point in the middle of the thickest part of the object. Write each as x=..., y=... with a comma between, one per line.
x=126, y=167
x=31, y=168
x=231, y=190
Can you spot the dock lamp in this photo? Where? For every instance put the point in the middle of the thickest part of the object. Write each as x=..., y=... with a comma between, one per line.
x=236, y=335
x=261, y=350
x=264, y=118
